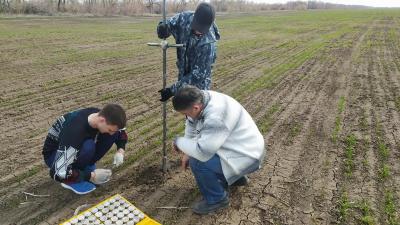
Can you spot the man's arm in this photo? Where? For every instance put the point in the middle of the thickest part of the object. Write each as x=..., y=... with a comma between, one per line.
x=174, y=24
x=171, y=26
x=190, y=129
x=121, y=143
x=122, y=140
x=212, y=136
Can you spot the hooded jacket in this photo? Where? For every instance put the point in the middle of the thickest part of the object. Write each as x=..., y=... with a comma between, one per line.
x=224, y=128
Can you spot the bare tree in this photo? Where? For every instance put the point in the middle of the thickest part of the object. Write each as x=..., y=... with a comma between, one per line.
x=151, y=4
x=4, y=5
x=137, y=7
x=61, y=6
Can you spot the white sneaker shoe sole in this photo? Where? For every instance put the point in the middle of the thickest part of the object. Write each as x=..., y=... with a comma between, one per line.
x=75, y=191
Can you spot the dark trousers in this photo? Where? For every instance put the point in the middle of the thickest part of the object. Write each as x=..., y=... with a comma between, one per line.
x=90, y=152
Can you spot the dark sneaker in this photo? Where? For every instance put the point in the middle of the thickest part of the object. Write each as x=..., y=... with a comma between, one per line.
x=202, y=207
x=243, y=181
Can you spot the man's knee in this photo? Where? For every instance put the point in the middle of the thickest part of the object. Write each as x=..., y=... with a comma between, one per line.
x=193, y=163
x=86, y=153
x=88, y=146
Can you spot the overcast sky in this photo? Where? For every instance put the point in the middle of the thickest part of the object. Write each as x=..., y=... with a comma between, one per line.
x=375, y=3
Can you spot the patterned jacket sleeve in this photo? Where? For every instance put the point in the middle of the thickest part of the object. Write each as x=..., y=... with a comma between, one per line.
x=174, y=24
x=122, y=140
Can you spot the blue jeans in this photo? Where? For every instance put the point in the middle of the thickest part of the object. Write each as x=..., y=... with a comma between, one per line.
x=209, y=178
x=90, y=152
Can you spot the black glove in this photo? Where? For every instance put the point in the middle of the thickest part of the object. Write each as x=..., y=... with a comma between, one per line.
x=165, y=94
x=163, y=31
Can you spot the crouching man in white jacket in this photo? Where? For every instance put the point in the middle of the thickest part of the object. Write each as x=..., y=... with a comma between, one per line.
x=221, y=144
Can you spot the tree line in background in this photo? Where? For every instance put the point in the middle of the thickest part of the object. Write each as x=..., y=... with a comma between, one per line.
x=145, y=7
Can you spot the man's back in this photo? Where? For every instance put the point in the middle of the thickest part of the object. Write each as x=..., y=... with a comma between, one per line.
x=225, y=128
x=70, y=130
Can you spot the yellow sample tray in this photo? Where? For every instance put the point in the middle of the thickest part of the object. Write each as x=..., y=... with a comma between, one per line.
x=115, y=210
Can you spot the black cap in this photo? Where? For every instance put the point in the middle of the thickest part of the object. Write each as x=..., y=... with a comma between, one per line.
x=203, y=17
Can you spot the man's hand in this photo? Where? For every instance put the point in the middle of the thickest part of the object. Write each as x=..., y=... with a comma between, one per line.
x=119, y=157
x=185, y=162
x=165, y=94
x=185, y=158
x=100, y=176
x=163, y=31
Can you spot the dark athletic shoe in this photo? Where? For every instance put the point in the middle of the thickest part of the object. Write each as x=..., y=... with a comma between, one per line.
x=243, y=181
x=203, y=208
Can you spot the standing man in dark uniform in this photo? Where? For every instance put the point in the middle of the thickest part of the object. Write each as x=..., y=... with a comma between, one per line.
x=198, y=31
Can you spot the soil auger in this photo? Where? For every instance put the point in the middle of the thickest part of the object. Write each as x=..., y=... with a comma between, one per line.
x=164, y=46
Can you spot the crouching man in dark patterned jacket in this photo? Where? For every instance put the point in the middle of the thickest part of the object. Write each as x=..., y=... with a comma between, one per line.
x=78, y=139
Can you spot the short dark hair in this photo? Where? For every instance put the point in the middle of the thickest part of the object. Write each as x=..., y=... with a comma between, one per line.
x=186, y=97
x=114, y=115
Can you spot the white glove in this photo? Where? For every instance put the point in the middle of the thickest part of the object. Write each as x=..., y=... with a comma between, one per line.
x=100, y=176
x=118, y=159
